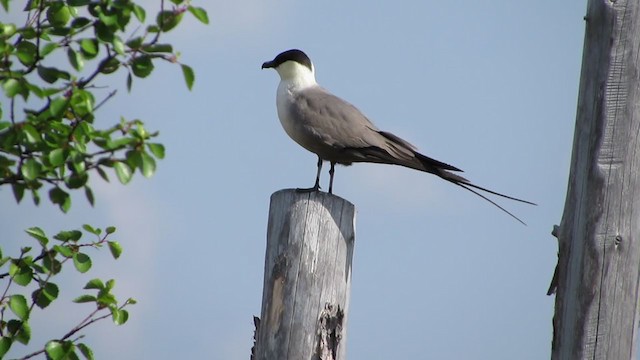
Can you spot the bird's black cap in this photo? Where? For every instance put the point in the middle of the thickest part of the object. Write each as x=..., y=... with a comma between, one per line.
x=290, y=55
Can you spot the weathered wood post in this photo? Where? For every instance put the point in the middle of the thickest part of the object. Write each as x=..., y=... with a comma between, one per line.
x=307, y=277
x=597, y=301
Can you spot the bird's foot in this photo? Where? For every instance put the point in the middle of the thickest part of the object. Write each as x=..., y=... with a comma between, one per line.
x=311, y=189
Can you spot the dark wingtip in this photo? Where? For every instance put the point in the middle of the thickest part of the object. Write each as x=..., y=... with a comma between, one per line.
x=431, y=162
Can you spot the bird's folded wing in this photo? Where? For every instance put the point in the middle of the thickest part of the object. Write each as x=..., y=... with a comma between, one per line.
x=340, y=125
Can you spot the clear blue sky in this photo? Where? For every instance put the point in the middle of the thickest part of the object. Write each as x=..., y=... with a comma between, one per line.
x=438, y=273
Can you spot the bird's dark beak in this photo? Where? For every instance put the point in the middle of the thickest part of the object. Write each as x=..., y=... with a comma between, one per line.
x=267, y=65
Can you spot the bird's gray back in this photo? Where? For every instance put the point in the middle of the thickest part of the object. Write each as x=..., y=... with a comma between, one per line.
x=338, y=131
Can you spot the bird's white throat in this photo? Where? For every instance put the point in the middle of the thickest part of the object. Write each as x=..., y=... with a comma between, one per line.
x=295, y=76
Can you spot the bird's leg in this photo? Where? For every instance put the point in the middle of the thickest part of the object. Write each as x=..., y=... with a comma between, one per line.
x=332, y=170
x=315, y=187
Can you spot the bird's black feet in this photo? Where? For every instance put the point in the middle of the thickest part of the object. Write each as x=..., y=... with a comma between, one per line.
x=316, y=186
x=311, y=189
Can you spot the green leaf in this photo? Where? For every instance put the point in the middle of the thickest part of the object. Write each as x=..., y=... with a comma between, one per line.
x=132, y=301
x=109, y=284
x=20, y=330
x=135, y=43
x=63, y=250
x=102, y=174
x=115, y=248
x=120, y=316
x=77, y=3
x=18, y=305
x=103, y=32
x=38, y=234
x=119, y=143
x=50, y=263
x=77, y=159
x=48, y=74
x=142, y=66
x=105, y=298
x=76, y=180
x=21, y=273
x=158, y=48
x=60, y=350
x=94, y=284
x=48, y=92
x=35, y=90
x=199, y=13
x=148, y=165
x=37, y=268
x=134, y=159
x=118, y=45
x=18, y=191
x=59, y=31
x=52, y=75
x=123, y=171
x=139, y=130
x=5, y=345
x=57, y=107
x=27, y=52
x=86, y=351
x=12, y=87
x=156, y=149
x=109, y=65
x=31, y=169
x=60, y=198
x=89, y=194
x=57, y=157
x=110, y=229
x=75, y=59
x=31, y=134
x=72, y=235
x=129, y=81
x=89, y=48
x=58, y=14
x=35, y=196
x=189, y=76
x=90, y=229
x=139, y=12
x=45, y=295
x=7, y=30
x=168, y=19
x=82, y=103
x=82, y=262
x=84, y=299
x=109, y=18
x=48, y=48
x=152, y=29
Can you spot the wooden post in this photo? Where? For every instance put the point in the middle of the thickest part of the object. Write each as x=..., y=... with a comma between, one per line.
x=596, y=314
x=307, y=277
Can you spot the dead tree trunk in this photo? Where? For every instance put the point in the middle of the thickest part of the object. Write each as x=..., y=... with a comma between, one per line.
x=307, y=277
x=596, y=314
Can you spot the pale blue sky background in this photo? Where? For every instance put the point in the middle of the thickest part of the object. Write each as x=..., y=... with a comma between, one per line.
x=438, y=273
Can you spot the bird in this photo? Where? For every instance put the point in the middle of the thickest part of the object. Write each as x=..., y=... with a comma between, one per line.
x=339, y=133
